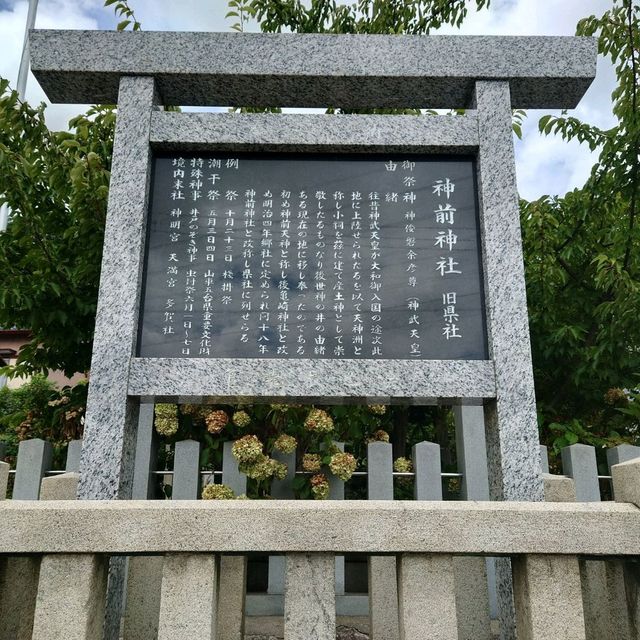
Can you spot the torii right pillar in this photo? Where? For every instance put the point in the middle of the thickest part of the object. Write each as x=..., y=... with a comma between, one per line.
x=515, y=471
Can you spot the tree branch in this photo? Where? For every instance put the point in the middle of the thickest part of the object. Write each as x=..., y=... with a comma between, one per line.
x=636, y=145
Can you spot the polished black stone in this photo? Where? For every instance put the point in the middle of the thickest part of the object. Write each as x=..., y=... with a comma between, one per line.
x=333, y=256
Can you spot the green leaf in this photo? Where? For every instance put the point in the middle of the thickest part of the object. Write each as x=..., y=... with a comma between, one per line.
x=571, y=437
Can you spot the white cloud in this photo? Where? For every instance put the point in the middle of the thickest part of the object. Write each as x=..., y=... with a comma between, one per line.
x=186, y=15
x=548, y=165
x=544, y=164
x=532, y=17
x=52, y=14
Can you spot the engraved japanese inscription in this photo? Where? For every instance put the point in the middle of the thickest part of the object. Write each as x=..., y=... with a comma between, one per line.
x=346, y=256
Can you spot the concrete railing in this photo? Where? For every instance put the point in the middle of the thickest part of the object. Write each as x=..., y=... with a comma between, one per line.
x=544, y=540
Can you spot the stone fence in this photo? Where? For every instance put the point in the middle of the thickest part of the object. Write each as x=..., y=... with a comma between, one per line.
x=361, y=588
x=187, y=479
x=69, y=543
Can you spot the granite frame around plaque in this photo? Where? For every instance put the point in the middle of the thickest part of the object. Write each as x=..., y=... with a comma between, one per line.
x=314, y=380
x=247, y=270
x=488, y=76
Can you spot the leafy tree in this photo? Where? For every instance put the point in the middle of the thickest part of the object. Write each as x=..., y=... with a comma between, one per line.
x=56, y=184
x=123, y=10
x=583, y=262
x=364, y=16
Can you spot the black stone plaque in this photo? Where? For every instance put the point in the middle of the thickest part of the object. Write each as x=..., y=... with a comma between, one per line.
x=313, y=256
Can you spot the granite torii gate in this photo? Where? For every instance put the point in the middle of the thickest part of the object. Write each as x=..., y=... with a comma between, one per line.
x=489, y=76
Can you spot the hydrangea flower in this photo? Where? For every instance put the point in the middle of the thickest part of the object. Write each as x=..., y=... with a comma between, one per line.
x=320, y=486
x=264, y=468
x=247, y=449
x=311, y=462
x=279, y=470
x=217, y=492
x=319, y=421
x=241, y=419
x=191, y=410
x=216, y=421
x=379, y=436
x=342, y=465
x=59, y=401
x=166, y=419
x=258, y=469
x=616, y=396
x=285, y=443
x=378, y=409
x=283, y=408
x=402, y=465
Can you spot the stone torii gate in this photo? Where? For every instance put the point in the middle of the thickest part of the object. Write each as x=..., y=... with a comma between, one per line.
x=488, y=76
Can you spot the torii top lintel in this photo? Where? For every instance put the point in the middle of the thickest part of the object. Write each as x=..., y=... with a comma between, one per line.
x=313, y=70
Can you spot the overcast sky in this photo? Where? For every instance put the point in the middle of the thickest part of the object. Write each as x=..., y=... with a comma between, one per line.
x=545, y=165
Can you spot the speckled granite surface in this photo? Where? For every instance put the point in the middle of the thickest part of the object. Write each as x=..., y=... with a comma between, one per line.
x=342, y=633
x=515, y=471
x=511, y=424
x=310, y=132
x=412, y=381
x=312, y=70
x=106, y=466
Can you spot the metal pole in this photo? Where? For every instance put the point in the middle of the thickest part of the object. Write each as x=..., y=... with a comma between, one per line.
x=24, y=61
x=21, y=87
x=4, y=217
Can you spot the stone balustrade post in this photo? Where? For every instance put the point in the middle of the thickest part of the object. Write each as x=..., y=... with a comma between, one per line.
x=626, y=481
x=310, y=599
x=336, y=492
x=19, y=579
x=232, y=585
x=427, y=597
x=579, y=463
x=144, y=573
x=626, y=488
x=60, y=487
x=619, y=454
x=471, y=453
x=34, y=459
x=544, y=458
x=189, y=598
x=71, y=597
x=4, y=479
x=74, y=453
x=281, y=490
x=383, y=595
x=558, y=488
x=186, y=470
x=548, y=598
